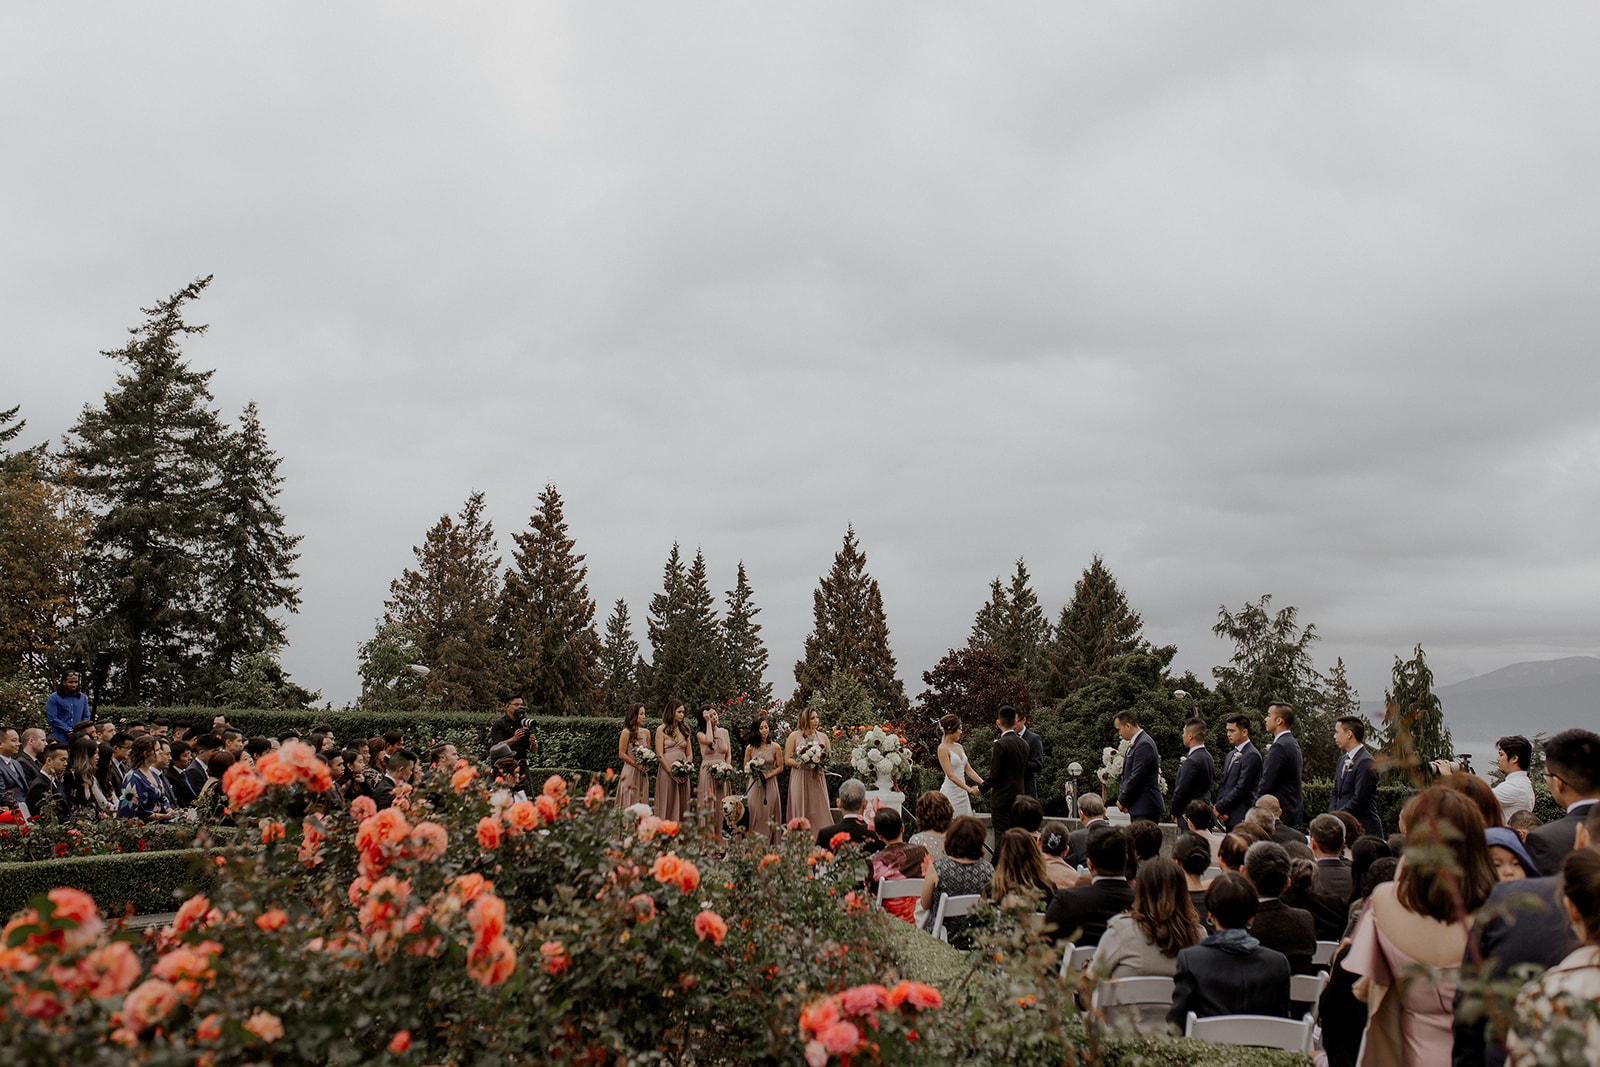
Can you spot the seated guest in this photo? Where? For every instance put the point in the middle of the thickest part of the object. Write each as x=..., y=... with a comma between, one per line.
x=1203, y=822
x=1421, y=918
x=1277, y=926
x=1277, y=830
x=47, y=797
x=332, y=799
x=1572, y=987
x=1230, y=973
x=205, y=746
x=1523, y=822
x=1327, y=848
x=852, y=823
x=1144, y=840
x=257, y=747
x=1476, y=790
x=962, y=871
x=508, y=774
x=1019, y=872
x=1091, y=811
x=441, y=762
x=1329, y=914
x=1053, y=843
x=895, y=861
x=178, y=784
x=1252, y=832
x=402, y=771
x=933, y=817
x=353, y=783
x=1080, y=914
x=1230, y=854
x=1511, y=860
x=78, y=782
x=1027, y=814
x=1352, y=829
x=1144, y=942
x=1363, y=854
x=143, y=796
x=1572, y=770
x=1193, y=856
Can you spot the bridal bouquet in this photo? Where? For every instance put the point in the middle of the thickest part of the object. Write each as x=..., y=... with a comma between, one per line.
x=813, y=756
x=722, y=772
x=645, y=757
x=681, y=768
x=756, y=768
x=881, y=752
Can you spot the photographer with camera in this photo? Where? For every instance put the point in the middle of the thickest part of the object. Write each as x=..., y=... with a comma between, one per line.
x=514, y=730
x=1512, y=755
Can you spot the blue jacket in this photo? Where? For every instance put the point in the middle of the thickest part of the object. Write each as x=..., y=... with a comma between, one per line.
x=1195, y=774
x=63, y=713
x=1356, y=790
x=1280, y=777
x=141, y=797
x=1237, y=794
x=1030, y=784
x=1141, y=780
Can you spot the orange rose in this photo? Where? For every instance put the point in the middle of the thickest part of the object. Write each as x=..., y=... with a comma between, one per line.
x=78, y=907
x=687, y=878
x=193, y=912
x=494, y=963
x=272, y=919
x=183, y=964
x=642, y=908
x=363, y=808
x=523, y=815
x=468, y=886
x=554, y=957
x=487, y=918
x=488, y=833
x=400, y=1043
x=666, y=867
x=270, y=831
x=148, y=1003
x=547, y=807
x=555, y=787
x=769, y=859
x=210, y=1028
x=429, y=841
x=246, y=789
x=297, y=756
x=110, y=971
x=595, y=794
x=274, y=771
x=265, y=1025
x=708, y=924
x=462, y=777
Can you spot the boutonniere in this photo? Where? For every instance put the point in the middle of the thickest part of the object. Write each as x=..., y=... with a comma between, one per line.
x=1185, y=759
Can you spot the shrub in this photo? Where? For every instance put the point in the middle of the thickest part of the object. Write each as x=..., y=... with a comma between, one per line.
x=149, y=882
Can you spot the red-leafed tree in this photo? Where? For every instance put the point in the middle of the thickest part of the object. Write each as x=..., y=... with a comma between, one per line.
x=973, y=683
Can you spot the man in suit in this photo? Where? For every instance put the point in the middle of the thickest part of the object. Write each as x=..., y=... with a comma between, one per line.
x=1008, y=771
x=13, y=779
x=205, y=746
x=1092, y=811
x=1572, y=769
x=1035, y=752
x=1241, y=770
x=1195, y=773
x=1281, y=767
x=33, y=742
x=400, y=771
x=852, y=823
x=1327, y=847
x=1230, y=972
x=47, y=789
x=1277, y=926
x=1140, y=794
x=1355, y=779
x=1080, y=914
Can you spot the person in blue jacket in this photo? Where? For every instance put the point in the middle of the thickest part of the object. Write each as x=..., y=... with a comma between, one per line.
x=1195, y=772
x=1241, y=770
x=66, y=708
x=1281, y=767
x=1140, y=795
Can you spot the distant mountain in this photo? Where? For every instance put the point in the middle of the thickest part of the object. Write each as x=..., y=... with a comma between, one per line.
x=1525, y=698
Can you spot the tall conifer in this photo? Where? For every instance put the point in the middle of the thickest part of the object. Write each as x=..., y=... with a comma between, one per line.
x=619, y=662
x=743, y=649
x=1094, y=629
x=1415, y=712
x=685, y=638
x=850, y=632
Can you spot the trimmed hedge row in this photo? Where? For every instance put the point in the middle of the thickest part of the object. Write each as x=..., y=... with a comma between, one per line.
x=152, y=882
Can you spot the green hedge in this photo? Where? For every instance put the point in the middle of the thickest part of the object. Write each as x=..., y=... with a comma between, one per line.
x=1392, y=796
x=152, y=882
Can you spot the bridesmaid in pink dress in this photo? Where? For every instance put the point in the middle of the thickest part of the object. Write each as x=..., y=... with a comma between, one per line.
x=715, y=747
x=633, y=785
x=808, y=790
x=764, y=801
x=672, y=745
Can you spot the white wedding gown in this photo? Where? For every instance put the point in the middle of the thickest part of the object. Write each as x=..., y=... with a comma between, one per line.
x=960, y=799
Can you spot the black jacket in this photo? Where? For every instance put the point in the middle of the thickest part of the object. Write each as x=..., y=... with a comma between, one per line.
x=1356, y=790
x=1329, y=914
x=1548, y=845
x=1078, y=843
x=45, y=792
x=1140, y=789
x=1086, y=907
x=1035, y=762
x=1229, y=973
x=1195, y=774
x=1333, y=877
x=1280, y=777
x=1290, y=931
x=1008, y=775
x=860, y=834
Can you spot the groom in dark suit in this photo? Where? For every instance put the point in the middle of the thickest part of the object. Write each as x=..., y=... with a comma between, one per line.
x=1241, y=770
x=1195, y=772
x=1008, y=772
x=1140, y=795
x=1355, y=779
x=1282, y=765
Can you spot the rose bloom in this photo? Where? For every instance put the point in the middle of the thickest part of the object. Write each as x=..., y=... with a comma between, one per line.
x=384, y=904
x=769, y=859
x=687, y=878
x=246, y=789
x=495, y=962
x=265, y=1025
x=77, y=906
x=547, y=807
x=523, y=815
x=210, y=1028
x=595, y=794
x=272, y=919
x=297, y=755
x=182, y=963
x=864, y=999
x=400, y=1043
x=388, y=827
x=273, y=771
x=816, y=1055
x=468, y=886
x=841, y=1038
x=642, y=908
x=555, y=958
x=488, y=833
x=839, y=840
x=820, y=1015
x=193, y=912
x=799, y=822
x=666, y=867
x=916, y=994
x=110, y=971
x=487, y=918
x=270, y=831
x=461, y=778
x=319, y=779
x=708, y=924
x=359, y=889
x=148, y=1003
x=363, y=808
x=555, y=787
x=429, y=841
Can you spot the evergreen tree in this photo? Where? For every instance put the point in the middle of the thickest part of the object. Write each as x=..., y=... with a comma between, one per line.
x=546, y=620
x=251, y=556
x=1013, y=626
x=42, y=539
x=743, y=649
x=685, y=638
x=1413, y=726
x=8, y=433
x=1096, y=628
x=619, y=663
x=389, y=678
x=659, y=677
x=26, y=461
x=851, y=633
x=447, y=607
x=147, y=460
x=1271, y=656
x=1340, y=698
x=990, y=620
x=845, y=703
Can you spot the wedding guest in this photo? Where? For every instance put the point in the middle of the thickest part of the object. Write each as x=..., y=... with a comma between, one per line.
x=672, y=746
x=1145, y=941
x=13, y=778
x=143, y=797
x=354, y=783
x=1277, y=926
x=1027, y=814
x=1566, y=996
x=1241, y=771
x=211, y=805
x=1230, y=854
x=1572, y=770
x=1091, y=811
x=933, y=818
x=1330, y=914
x=716, y=748
x=852, y=823
x=1476, y=790
x=763, y=801
x=960, y=872
x=1019, y=872
x=1139, y=792
x=1144, y=843
x=33, y=741
x=1421, y=918
x=1511, y=860
x=1080, y=914
x=1352, y=829
x=1192, y=854
x=1053, y=843
x=896, y=861
x=957, y=770
x=1381, y=870
x=205, y=746
x=105, y=792
x=1203, y=821
x=82, y=797
x=66, y=707
x=1229, y=973
x=1524, y=823
x=1035, y=745
x=402, y=766
x=808, y=791
x=508, y=775
x=633, y=784
x=1327, y=848
x=183, y=793
x=1195, y=773
x=47, y=797
x=1281, y=767
x=121, y=748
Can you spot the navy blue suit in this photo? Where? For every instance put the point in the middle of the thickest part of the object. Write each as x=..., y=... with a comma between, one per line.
x=1140, y=794
x=1237, y=794
x=1195, y=774
x=1030, y=784
x=1280, y=777
x=1356, y=790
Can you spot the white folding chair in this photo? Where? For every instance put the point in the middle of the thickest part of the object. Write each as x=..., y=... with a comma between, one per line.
x=950, y=908
x=899, y=887
x=1307, y=988
x=1074, y=958
x=1143, y=990
x=1324, y=954
x=1211, y=875
x=1253, y=1031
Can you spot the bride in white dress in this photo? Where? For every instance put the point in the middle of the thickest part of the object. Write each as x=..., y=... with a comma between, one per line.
x=953, y=758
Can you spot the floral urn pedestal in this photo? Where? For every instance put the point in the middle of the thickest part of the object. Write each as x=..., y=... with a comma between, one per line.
x=885, y=796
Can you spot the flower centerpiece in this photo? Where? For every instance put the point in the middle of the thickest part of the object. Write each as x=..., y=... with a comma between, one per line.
x=883, y=755
x=646, y=757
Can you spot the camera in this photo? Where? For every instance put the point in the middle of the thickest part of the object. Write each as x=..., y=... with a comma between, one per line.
x=1462, y=764
x=527, y=723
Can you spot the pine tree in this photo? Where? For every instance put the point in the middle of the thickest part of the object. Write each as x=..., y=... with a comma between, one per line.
x=988, y=624
x=1414, y=728
x=850, y=633
x=447, y=607
x=29, y=459
x=251, y=556
x=9, y=433
x=1095, y=628
x=42, y=537
x=619, y=663
x=743, y=649
x=658, y=680
x=546, y=619
x=685, y=638
x=1339, y=697
x=147, y=460
x=1271, y=657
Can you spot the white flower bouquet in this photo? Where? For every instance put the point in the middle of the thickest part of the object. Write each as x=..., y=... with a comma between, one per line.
x=813, y=756
x=681, y=768
x=756, y=768
x=645, y=757
x=722, y=772
x=881, y=752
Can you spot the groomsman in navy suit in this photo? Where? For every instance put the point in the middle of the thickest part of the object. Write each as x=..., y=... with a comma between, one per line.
x=1241, y=770
x=1355, y=779
x=1140, y=795
x=1281, y=767
x=1195, y=773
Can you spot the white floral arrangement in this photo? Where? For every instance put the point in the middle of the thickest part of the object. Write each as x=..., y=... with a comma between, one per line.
x=881, y=752
x=722, y=772
x=645, y=756
x=1111, y=762
x=813, y=755
x=681, y=768
x=756, y=769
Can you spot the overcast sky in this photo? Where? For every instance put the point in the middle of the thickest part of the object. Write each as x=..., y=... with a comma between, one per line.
x=1249, y=298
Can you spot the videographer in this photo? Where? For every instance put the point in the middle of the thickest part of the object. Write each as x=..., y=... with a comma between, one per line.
x=1512, y=756
x=514, y=730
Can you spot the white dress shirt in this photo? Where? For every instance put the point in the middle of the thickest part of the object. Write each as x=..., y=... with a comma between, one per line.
x=1515, y=794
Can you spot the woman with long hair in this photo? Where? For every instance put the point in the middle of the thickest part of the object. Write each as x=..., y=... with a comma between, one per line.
x=1408, y=945
x=808, y=790
x=1019, y=871
x=763, y=801
x=1144, y=941
x=104, y=787
x=82, y=759
x=633, y=784
x=144, y=796
x=672, y=745
x=953, y=759
x=716, y=747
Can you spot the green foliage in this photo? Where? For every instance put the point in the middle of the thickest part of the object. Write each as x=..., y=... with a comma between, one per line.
x=1391, y=796
x=619, y=664
x=850, y=633
x=54, y=838
x=152, y=882
x=1013, y=626
x=43, y=531
x=845, y=703
x=1414, y=730
x=1096, y=628
x=259, y=681
x=685, y=639
x=388, y=681
x=742, y=647
x=972, y=684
